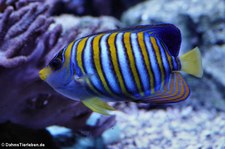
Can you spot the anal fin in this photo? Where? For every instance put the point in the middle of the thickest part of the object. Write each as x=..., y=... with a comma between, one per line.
x=98, y=106
x=174, y=91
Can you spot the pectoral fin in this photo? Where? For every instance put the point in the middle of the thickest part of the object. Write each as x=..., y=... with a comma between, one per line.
x=98, y=106
x=82, y=78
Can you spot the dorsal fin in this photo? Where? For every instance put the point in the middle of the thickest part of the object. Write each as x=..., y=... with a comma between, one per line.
x=169, y=34
x=174, y=91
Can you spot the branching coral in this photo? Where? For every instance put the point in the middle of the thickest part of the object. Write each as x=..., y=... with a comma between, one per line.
x=91, y=7
x=26, y=45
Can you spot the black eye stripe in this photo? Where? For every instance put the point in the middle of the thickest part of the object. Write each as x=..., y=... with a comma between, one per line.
x=55, y=64
x=60, y=55
x=57, y=61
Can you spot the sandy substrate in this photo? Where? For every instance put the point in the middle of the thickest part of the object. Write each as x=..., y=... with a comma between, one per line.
x=172, y=127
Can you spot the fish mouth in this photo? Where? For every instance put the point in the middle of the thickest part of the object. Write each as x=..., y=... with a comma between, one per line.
x=44, y=73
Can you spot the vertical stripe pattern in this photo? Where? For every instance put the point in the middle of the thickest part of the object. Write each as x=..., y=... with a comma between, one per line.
x=158, y=60
x=80, y=61
x=107, y=65
x=130, y=53
x=116, y=65
x=123, y=64
x=147, y=63
x=98, y=64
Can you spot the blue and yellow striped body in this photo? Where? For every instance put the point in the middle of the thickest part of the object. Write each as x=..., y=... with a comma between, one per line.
x=122, y=65
x=139, y=64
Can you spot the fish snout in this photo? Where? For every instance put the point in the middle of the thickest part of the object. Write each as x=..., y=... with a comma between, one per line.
x=43, y=73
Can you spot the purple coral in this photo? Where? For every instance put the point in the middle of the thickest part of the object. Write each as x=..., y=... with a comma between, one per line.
x=91, y=7
x=26, y=46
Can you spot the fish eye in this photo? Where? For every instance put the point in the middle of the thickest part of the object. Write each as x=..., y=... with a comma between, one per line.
x=56, y=63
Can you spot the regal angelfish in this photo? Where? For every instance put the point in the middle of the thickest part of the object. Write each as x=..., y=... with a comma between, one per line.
x=139, y=64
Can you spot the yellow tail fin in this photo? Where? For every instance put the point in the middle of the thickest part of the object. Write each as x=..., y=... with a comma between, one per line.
x=191, y=63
